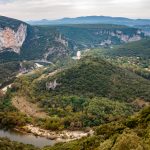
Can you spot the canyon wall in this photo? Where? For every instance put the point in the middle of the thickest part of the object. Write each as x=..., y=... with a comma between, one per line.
x=11, y=40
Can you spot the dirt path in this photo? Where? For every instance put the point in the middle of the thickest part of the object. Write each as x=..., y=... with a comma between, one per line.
x=54, y=72
x=48, y=75
x=4, y=90
x=28, y=108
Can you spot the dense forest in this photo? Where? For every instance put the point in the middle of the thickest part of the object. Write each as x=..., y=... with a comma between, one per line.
x=130, y=133
x=92, y=35
x=93, y=76
x=8, y=71
x=133, y=49
x=81, y=90
x=133, y=56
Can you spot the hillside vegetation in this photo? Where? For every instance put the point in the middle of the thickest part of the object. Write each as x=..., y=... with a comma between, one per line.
x=92, y=35
x=132, y=56
x=6, y=144
x=99, y=92
x=81, y=90
x=55, y=42
x=8, y=71
x=132, y=133
x=9, y=22
x=96, y=77
x=134, y=49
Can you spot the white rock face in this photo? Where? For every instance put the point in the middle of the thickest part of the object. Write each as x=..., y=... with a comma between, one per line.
x=11, y=40
x=52, y=85
x=120, y=35
x=126, y=38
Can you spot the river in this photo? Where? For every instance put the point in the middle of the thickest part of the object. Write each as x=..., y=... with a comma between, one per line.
x=27, y=138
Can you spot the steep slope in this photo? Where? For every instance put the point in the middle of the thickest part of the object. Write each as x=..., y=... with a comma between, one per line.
x=10, y=23
x=133, y=56
x=131, y=133
x=134, y=49
x=98, y=35
x=96, y=77
x=45, y=43
x=20, y=41
x=92, y=92
x=12, y=34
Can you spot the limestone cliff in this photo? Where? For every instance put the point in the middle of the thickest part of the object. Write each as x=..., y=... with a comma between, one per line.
x=11, y=40
x=123, y=37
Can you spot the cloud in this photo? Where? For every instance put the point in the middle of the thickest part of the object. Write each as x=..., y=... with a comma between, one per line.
x=6, y=1
x=53, y=9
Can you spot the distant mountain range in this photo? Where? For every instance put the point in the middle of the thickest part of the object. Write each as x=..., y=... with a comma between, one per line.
x=93, y=20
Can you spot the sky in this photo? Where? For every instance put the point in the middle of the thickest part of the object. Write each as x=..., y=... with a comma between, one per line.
x=55, y=9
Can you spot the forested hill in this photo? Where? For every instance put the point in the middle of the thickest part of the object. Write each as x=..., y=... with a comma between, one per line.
x=89, y=93
x=93, y=77
x=96, y=77
x=75, y=95
x=130, y=133
x=134, y=49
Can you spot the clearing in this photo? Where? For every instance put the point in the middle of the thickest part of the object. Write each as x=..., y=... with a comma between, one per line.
x=28, y=108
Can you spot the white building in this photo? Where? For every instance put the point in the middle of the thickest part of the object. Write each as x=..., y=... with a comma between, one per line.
x=78, y=54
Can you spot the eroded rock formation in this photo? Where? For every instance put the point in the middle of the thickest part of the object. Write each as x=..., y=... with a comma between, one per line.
x=11, y=40
x=125, y=38
x=52, y=85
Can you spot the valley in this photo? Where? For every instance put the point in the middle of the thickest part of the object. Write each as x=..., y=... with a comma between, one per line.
x=96, y=101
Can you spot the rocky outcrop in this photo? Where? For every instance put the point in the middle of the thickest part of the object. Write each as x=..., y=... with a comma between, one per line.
x=49, y=52
x=58, y=51
x=123, y=37
x=11, y=40
x=127, y=38
x=61, y=40
x=52, y=85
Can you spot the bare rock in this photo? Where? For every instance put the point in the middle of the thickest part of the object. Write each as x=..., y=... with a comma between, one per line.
x=11, y=40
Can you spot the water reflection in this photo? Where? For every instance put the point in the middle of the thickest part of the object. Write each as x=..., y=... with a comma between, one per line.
x=27, y=138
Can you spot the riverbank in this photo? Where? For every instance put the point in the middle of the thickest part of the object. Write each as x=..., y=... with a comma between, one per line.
x=58, y=136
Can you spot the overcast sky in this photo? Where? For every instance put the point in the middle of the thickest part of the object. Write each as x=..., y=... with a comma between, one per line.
x=54, y=9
